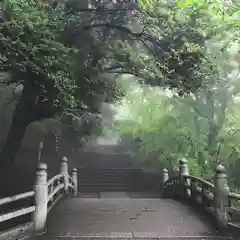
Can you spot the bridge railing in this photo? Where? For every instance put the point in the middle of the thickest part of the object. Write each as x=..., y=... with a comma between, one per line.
x=20, y=212
x=46, y=194
x=214, y=197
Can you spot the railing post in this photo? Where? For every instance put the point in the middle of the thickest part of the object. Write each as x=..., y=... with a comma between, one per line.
x=75, y=180
x=51, y=190
x=64, y=171
x=176, y=171
x=41, y=198
x=221, y=192
x=165, y=177
x=183, y=171
x=183, y=167
x=58, y=184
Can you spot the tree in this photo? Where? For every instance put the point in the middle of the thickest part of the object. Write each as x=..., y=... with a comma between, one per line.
x=161, y=47
x=201, y=126
x=34, y=53
x=60, y=73
x=168, y=51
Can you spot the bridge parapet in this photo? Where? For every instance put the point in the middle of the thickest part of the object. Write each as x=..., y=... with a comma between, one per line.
x=216, y=198
x=46, y=193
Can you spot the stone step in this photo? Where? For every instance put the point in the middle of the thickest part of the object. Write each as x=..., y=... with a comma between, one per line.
x=109, y=174
x=108, y=179
x=105, y=182
x=106, y=185
x=108, y=182
x=122, y=179
x=110, y=185
x=107, y=189
x=109, y=170
x=95, y=159
x=102, y=176
x=127, y=237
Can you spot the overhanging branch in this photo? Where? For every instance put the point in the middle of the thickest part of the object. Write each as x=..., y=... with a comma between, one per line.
x=44, y=110
x=111, y=26
x=119, y=70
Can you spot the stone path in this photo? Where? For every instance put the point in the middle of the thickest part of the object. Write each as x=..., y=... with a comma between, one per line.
x=119, y=216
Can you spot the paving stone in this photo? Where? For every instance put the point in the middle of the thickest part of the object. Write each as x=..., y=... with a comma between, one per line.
x=123, y=218
x=114, y=195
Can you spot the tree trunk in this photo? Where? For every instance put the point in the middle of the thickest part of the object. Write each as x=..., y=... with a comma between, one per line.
x=22, y=117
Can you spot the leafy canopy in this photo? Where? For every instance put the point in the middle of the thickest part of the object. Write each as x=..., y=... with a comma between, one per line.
x=31, y=49
x=203, y=125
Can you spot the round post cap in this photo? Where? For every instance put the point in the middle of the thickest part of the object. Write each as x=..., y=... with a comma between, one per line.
x=183, y=161
x=64, y=159
x=42, y=166
x=220, y=169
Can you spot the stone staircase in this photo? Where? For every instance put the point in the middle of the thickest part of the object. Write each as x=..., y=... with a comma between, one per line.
x=111, y=180
x=110, y=169
x=107, y=159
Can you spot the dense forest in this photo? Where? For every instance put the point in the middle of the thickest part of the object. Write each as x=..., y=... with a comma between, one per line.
x=174, y=65
x=164, y=126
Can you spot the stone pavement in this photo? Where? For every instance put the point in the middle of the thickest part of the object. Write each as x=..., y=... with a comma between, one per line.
x=120, y=216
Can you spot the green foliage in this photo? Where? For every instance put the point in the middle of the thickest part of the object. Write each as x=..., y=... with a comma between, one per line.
x=32, y=51
x=203, y=126
x=166, y=130
x=169, y=51
x=195, y=168
x=62, y=57
x=179, y=31
x=60, y=78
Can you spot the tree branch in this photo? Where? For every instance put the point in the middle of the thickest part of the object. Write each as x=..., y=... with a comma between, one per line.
x=141, y=36
x=100, y=10
x=119, y=70
x=44, y=110
x=108, y=25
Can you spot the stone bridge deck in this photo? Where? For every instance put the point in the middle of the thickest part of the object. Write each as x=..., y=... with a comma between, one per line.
x=126, y=216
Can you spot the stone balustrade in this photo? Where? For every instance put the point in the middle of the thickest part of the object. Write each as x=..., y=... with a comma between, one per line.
x=216, y=198
x=46, y=193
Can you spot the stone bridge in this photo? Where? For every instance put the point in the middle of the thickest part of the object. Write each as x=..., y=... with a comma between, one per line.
x=105, y=203
x=126, y=216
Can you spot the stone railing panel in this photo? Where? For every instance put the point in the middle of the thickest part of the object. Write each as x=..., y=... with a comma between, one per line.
x=46, y=194
x=214, y=197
